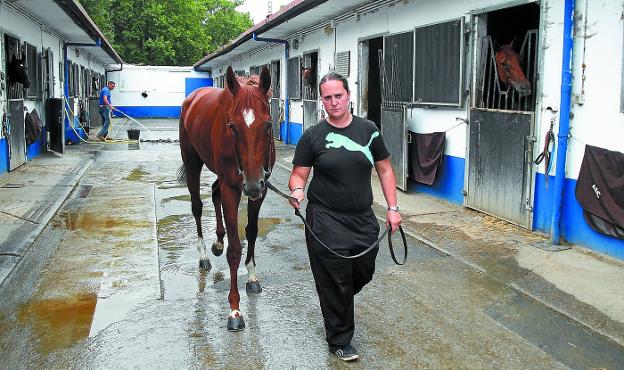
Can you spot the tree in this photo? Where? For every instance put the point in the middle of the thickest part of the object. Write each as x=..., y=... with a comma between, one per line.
x=172, y=32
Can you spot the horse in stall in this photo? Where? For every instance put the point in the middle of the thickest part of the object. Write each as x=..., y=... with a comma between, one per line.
x=18, y=72
x=510, y=71
x=229, y=131
x=309, y=76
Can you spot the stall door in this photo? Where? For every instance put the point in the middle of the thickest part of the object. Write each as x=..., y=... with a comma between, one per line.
x=397, y=60
x=17, y=134
x=499, y=174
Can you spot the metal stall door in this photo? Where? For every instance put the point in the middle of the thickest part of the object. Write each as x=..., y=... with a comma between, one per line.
x=17, y=138
x=276, y=115
x=499, y=171
x=276, y=87
x=397, y=74
x=310, y=96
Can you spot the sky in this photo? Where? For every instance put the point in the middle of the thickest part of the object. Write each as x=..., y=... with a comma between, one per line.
x=258, y=8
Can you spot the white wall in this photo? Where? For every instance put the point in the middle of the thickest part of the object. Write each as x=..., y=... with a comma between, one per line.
x=597, y=117
x=165, y=86
x=17, y=25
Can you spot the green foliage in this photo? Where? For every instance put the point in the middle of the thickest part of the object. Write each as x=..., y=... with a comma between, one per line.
x=171, y=32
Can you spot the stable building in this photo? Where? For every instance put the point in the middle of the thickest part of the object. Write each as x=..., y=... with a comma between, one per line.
x=433, y=76
x=62, y=53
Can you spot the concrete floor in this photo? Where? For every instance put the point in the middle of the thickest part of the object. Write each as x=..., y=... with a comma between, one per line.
x=112, y=281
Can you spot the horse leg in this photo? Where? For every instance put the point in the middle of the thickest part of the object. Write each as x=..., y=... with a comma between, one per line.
x=251, y=233
x=217, y=247
x=193, y=165
x=231, y=198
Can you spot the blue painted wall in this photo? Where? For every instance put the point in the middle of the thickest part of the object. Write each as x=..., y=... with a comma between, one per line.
x=34, y=150
x=149, y=112
x=294, y=134
x=449, y=182
x=4, y=156
x=574, y=228
x=192, y=84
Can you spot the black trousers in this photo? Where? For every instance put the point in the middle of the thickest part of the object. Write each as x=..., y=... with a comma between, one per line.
x=337, y=279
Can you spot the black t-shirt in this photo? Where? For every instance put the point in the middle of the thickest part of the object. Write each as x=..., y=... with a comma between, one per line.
x=342, y=159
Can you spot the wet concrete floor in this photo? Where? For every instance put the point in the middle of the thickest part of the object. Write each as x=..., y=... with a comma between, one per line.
x=123, y=290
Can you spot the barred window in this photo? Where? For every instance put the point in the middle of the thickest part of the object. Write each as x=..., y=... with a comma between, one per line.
x=33, y=63
x=293, y=76
x=438, y=66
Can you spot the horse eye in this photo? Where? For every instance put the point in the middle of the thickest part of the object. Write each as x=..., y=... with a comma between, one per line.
x=268, y=125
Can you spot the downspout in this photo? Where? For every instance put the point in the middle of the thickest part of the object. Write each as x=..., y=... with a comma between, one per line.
x=564, y=119
x=98, y=43
x=286, y=102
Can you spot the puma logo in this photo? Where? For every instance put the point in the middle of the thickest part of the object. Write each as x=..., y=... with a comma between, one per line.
x=336, y=141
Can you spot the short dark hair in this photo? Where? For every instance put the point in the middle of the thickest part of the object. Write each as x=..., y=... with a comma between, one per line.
x=333, y=76
x=112, y=82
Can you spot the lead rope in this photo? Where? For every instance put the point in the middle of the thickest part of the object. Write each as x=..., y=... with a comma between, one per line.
x=298, y=214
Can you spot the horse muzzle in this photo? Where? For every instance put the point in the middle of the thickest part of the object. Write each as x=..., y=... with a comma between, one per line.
x=254, y=189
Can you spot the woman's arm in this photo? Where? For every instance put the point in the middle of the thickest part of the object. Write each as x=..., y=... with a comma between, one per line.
x=388, y=186
x=297, y=183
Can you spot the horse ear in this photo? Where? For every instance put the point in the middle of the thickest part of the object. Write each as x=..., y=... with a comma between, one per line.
x=232, y=82
x=265, y=79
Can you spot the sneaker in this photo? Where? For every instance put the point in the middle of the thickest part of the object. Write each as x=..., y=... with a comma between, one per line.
x=347, y=353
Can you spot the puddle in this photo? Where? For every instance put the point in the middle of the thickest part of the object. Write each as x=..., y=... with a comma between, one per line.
x=59, y=323
x=187, y=198
x=265, y=224
x=137, y=174
x=93, y=222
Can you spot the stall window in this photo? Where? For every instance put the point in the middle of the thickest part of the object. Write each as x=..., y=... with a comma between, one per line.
x=293, y=77
x=343, y=58
x=33, y=63
x=438, y=51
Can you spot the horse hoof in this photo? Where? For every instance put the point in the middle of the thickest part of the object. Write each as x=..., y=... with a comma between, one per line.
x=205, y=264
x=235, y=323
x=217, y=248
x=253, y=287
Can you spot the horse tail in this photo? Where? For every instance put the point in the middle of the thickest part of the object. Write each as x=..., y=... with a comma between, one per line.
x=373, y=136
x=182, y=174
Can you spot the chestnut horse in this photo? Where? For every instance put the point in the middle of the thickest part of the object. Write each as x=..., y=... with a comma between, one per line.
x=509, y=70
x=229, y=131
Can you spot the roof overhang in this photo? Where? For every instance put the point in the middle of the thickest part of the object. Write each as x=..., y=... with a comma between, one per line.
x=295, y=17
x=69, y=20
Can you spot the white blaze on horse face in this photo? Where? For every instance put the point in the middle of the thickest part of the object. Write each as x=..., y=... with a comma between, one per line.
x=234, y=313
x=251, y=269
x=201, y=248
x=249, y=116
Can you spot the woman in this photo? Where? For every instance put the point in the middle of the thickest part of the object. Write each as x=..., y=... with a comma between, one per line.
x=342, y=149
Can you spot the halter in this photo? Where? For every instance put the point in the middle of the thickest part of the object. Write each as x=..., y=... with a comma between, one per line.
x=267, y=152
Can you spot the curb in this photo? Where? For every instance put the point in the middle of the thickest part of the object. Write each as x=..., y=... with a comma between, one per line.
x=43, y=223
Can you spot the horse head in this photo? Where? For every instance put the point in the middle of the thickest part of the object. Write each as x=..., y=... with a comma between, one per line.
x=18, y=72
x=309, y=77
x=250, y=122
x=509, y=69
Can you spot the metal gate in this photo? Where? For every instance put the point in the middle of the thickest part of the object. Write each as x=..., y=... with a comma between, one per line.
x=276, y=87
x=310, y=116
x=55, y=125
x=309, y=92
x=276, y=114
x=499, y=174
x=397, y=72
x=501, y=142
x=17, y=134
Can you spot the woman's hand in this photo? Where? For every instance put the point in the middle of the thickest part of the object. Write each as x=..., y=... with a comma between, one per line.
x=299, y=195
x=393, y=219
